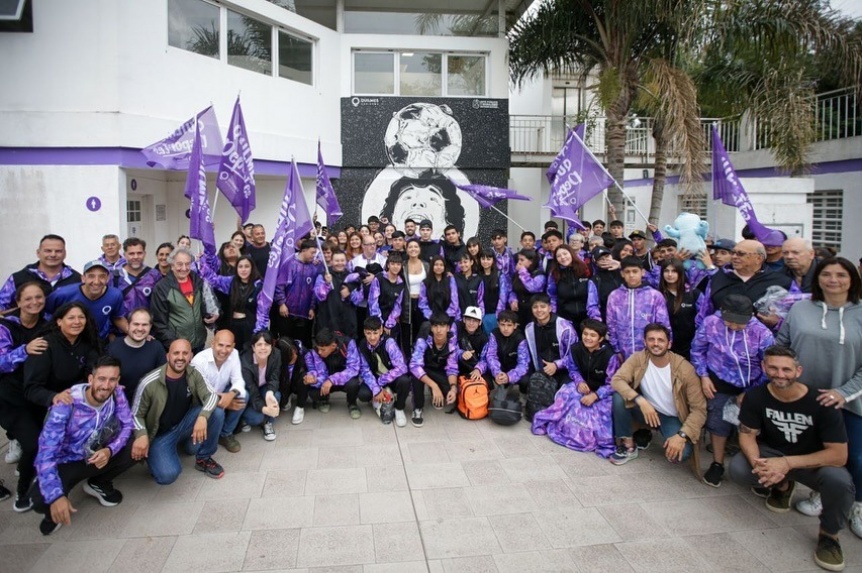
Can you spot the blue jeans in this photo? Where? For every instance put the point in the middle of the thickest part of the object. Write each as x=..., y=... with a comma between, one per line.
x=254, y=417
x=853, y=423
x=231, y=421
x=163, y=459
x=623, y=418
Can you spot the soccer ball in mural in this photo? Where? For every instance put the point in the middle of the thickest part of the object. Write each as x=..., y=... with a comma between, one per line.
x=423, y=138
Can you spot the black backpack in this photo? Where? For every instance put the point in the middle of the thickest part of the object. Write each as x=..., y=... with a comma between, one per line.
x=505, y=406
x=541, y=392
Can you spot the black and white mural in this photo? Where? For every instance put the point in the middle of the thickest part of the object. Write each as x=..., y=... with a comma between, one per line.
x=401, y=155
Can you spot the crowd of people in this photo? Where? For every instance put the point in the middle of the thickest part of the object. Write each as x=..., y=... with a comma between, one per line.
x=604, y=338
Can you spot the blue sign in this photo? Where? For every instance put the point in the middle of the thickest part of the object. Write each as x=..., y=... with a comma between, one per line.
x=94, y=203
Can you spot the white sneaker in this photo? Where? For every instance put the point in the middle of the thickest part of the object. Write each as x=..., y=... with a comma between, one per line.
x=400, y=418
x=811, y=506
x=13, y=455
x=268, y=432
x=298, y=416
x=856, y=519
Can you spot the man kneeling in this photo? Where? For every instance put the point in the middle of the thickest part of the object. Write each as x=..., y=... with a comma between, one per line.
x=84, y=440
x=786, y=436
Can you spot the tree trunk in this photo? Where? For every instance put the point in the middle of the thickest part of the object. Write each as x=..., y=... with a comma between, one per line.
x=616, y=155
x=659, y=173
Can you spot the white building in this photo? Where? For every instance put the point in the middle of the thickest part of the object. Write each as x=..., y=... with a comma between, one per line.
x=97, y=80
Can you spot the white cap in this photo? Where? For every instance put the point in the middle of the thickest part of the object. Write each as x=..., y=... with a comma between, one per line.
x=473, y=312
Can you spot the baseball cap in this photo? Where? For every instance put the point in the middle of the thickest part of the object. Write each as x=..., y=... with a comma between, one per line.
x=473, y=312
x=95, y=263
x=426, y=223
x=600, y=252
x=724, y=245
x=637, y=235
x=737, y=308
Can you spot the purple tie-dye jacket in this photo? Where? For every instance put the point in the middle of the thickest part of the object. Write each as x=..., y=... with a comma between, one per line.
x=317, y=367
x=733, y=356
x=629, y=311
x=295, y=287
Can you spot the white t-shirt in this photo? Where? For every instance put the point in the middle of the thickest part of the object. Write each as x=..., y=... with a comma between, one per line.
x=657, y=387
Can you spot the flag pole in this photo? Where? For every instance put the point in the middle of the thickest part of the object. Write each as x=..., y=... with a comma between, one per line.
x=508, y=217
x=313, y=228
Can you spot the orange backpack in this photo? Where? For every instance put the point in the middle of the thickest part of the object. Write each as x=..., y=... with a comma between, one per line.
x=472, y=399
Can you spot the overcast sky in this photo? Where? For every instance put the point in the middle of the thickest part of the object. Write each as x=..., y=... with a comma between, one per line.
x=850, y=7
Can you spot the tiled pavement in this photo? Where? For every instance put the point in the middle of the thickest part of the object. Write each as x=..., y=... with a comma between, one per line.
x=334, y=494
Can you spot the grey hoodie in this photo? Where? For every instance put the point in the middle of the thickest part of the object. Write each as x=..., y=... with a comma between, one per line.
x=828, y=341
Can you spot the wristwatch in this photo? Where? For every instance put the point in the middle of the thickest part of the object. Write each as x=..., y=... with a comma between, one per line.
x=683, y=435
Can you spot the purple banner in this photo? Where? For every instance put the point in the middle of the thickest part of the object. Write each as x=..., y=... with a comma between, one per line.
x=236, y=170
x=579, y=178
x=201, y=223
x=324, y=193
x=551, y=173
x=174, y=151
x=487, y=195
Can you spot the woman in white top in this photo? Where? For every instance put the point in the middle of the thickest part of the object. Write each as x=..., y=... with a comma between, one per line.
x=415, y=272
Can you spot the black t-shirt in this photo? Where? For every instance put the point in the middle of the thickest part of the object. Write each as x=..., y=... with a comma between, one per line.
x=794, y=428
x=179, y=402
x=260, y=256
x=136, y=362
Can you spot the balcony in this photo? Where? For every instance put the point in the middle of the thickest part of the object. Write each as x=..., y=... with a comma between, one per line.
x=536, y=139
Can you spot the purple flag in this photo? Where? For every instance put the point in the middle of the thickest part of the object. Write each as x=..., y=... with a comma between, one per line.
x=726, y=186
x=201, y=222
x=579, y=178
x=293, y=222
x=551, y=174
x=487, y=196
x=325, y=194
x=173, y=152
x=236, y=170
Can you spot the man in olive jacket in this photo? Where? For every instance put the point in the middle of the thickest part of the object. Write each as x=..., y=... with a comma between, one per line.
x=661, y=389
x=182, y=304
x=174, y=405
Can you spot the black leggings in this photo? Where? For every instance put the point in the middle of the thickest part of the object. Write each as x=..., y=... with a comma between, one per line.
x=354, y=389
x=25, y=423
x=419, y=387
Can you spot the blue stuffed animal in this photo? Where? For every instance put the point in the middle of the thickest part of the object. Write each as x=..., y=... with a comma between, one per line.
x=689, y=231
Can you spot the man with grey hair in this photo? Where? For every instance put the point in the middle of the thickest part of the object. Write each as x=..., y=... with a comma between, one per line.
x=183, y=304
x=110, y=256
x=799, y=264
x=747, y=276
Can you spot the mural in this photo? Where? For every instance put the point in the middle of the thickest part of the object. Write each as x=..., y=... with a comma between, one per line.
x=401, y=155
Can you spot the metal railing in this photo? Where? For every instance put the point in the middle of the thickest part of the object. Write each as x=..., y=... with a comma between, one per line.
x=837, y=117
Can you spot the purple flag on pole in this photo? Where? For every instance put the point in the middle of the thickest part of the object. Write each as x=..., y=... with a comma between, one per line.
x=293, y=222
x=551, y=174
x=487, y=195
x=201, y=222
x=579, y=178
x=325, y=194
x=726, y=186
x=173, y=152
x=236, y=170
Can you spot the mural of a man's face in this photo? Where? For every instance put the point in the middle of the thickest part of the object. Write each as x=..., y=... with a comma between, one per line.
x=419, y=202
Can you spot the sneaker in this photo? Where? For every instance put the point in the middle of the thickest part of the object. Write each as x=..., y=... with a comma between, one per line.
x=714, y=474
x=210, y=467
x=400, y=418
x=623, y=455
x=287, y=404
x=47, y=527
x=416, y=419
x=230, y=443
x=779, y=501
x=22, y=504
x=323, y=407
x=828, y=554
x=13, y=454
x=355, y=412
x=298, y=416
x=642, y=438
x=245, y=428
x=268, y=432
x=4, y=492
x=856, y=519
x=811, y=506
x=105, y=493
x=760, y=491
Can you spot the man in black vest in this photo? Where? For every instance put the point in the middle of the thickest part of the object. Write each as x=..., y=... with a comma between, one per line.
x=434, y=364
x=333, y=366
x=428, y=247
x=382, y=366
x=471, y=340
x=471, y=290
x=50, y=271
x=453, y=248
x=506, y=359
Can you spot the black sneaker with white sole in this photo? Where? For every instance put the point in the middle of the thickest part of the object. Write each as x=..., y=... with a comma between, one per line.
x=714, y=474
x=642, y=438
x=22, y=504
x=417, y=419
x=47, y=527
x=104, y=492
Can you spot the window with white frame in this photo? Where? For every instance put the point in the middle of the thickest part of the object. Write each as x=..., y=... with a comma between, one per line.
x=419, y=73
x=249, y=43
x=194, y=25
x=827, y=222
x=693, y=204
x=133, y=211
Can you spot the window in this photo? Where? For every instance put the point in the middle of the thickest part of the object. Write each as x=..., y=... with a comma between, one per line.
x=249, y=43
x=193, y=25
x=359, y=21
x=294, y=58
x=827, y=221
x=419, y=74
x=694, y=204
x=374, y=73
x=133, y=211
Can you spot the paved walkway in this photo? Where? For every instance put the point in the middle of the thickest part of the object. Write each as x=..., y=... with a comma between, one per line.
x=334, y=494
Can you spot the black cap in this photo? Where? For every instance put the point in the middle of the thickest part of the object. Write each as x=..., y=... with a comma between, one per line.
x=600, y=252
x=637, y=235
x=723, y=245
x=737, y=308
x=426, y=223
